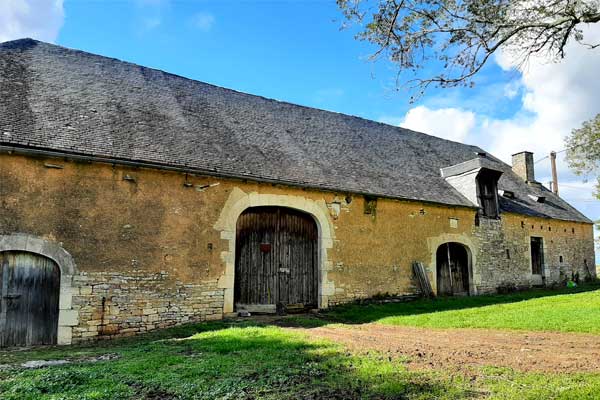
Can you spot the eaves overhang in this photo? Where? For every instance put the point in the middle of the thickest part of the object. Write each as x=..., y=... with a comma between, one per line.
x=471, y=165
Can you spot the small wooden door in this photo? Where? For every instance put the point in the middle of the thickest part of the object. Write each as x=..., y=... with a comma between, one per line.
x=276, y=258
x=29, y=294
x=452, y=270
x=537, y=256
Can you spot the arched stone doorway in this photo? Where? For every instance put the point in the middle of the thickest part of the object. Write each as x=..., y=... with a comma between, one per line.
x=29, y=296
x=238, y=201
x=276, y=265
x=453, y=271
x=50, y=255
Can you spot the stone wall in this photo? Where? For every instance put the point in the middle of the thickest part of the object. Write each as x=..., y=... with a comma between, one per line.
x=503, y=251
x=155, y=248
x=131, y=302
x=373, y=254
x=523, y=165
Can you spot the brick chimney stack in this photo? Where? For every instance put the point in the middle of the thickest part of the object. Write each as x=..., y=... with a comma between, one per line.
x=522, y=165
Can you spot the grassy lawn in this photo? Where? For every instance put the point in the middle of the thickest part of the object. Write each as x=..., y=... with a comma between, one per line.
x=221, y=361
x=233, y=361
x=567, y=310
x=249, y=360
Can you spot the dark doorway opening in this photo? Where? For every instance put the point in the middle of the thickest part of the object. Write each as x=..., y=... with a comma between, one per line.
x=276, y=265
x=452, y=270
x=29, y=296
x=537, y=256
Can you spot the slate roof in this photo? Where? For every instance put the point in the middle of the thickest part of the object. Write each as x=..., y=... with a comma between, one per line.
x=70, y=101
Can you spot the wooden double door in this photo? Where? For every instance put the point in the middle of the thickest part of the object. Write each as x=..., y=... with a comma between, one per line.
x=452, y=270
x=29, y=295
x=276, y=259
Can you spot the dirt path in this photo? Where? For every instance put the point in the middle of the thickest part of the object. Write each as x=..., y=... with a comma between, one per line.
x=464, y=348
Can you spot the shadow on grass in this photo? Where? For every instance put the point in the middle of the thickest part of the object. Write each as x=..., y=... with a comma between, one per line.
x=242, y=362
x=90, y=349
x=347, y=314
x=243, y=359
x=369, y=312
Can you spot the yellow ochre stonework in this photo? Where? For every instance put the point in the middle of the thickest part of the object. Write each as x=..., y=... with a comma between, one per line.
x=156, y=248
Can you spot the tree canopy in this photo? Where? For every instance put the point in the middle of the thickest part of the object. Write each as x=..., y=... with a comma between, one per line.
x=457, y=38
x=583, y=150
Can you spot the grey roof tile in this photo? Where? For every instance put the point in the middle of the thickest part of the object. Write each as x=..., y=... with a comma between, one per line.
x=75, y=102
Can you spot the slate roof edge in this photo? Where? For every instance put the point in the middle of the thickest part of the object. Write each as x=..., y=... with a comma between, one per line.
x=549, y=193
x=80, y=157
x=34, y=151
x=469, y=166
x=587, y=222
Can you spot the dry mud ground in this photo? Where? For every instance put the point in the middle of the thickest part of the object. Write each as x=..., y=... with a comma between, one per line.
x=467, y=348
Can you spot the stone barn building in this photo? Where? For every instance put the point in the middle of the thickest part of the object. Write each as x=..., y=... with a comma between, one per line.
x=133, y=199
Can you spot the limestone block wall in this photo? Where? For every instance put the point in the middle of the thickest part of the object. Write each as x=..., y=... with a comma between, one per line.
x=154, y=248
x=493, y=267
x=130, y=302
x=504, y=253
x=568, y=246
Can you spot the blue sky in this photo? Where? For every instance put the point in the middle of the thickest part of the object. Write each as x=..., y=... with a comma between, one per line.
x=288, y=50
x=295, y=51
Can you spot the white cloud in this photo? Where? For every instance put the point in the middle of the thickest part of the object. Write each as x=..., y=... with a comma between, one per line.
x=448, y=123
x=512, y=89
x=576, y=190
x=203, y=21
x=557, y=97
x=37, y=19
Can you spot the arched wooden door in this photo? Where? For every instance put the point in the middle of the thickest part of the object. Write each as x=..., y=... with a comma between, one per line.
x=276, y=259
x=29, y=294
x=452, y=269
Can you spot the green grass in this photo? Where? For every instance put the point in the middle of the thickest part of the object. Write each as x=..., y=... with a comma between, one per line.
x=576, y=310
x=233, y=361
x=507, y=384
x=226, y=362
x=248, y=360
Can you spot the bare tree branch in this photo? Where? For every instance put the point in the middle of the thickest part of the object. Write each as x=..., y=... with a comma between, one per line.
x=460, y=36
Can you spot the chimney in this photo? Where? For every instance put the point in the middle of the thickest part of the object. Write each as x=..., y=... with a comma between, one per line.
x=522, y=165
x=554, y=173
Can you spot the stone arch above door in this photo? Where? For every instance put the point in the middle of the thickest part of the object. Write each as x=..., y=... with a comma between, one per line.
x=239, y=201
x=67, y=317
x=434, y=243
x=453, y=269
x=276, y=263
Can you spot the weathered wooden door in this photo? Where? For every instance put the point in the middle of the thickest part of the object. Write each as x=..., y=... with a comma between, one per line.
x=276, y=258
x=452, y=270
x=29, y=293
x=537, y=256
